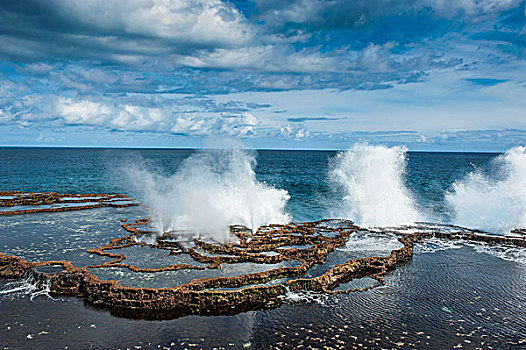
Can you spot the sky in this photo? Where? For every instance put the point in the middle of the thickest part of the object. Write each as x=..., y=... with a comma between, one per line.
x=435, y=75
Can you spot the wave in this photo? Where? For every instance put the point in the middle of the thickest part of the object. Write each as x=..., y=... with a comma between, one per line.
x=212, y=190
x=493, y=201
x=372, y=180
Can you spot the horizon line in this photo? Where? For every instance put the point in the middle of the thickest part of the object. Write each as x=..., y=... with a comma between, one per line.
x=256, y=149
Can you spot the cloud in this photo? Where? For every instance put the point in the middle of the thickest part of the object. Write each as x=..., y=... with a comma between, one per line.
x=483, y=140
x=45, y=139
x=297, y=36
x=82, y=112
x=268, y=58
x=140, y=33
x=293, y=131
x=152, y=119
x=354, y=14
x=26, y=106
x=189, y=46
x=9, y=89
x=242, y=125
x=207, y=117
x=192, y=67
x=304, y=119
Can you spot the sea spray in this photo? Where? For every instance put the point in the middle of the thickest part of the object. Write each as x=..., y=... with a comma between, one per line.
x=212, y=190
x=493, y=200
x=372, y=181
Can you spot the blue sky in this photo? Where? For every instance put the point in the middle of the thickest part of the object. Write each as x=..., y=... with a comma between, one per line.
x=433, y=75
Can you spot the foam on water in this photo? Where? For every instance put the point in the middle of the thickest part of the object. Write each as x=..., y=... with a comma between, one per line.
x=494, y=201
x=434, y=245
x=364, y=241
x=372, y=180
x=27, y=286
x=212, y=190
x=514, y=254
x=306, y=297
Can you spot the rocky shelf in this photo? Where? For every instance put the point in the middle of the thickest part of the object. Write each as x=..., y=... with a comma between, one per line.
x=16, y=202
x=297, y=246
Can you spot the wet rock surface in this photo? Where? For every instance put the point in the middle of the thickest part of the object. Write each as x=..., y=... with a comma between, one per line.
x=15, y=202
x=297, y=246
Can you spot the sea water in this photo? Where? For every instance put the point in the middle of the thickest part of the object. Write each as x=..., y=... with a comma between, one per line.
x=451, y=293
x=408, y=186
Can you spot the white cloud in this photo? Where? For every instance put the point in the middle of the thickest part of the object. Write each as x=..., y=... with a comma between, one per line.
x=10, y=89
x=237, y=125
x=43, y=138
x=472, y=7
x=82, y=112
x=127, y=117
x=38, y=68
x=145, y=65
x=296, y=131
x=140, y=118
x=183, y=21
x=375, y=58
x=279, y=58
x=240, y=125
x=270, y=58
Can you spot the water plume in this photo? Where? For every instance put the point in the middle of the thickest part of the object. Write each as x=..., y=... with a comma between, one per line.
x=372, y=181
x=493, y=200
x=212, y=190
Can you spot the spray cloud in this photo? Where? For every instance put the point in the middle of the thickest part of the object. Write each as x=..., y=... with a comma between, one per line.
x=212, y=190
x=494, y=201
x=372, y=180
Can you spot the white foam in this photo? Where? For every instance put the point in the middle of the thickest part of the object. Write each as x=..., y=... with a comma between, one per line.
x=27, y=286
x=434, y=245
x=306, y=297
x=364, y=241
x=514, y=254
x=372, y=180
x=211, y=190
x=494, y=202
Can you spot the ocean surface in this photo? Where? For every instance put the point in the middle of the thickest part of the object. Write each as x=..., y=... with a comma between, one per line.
x=304, y=174
x=450, y=294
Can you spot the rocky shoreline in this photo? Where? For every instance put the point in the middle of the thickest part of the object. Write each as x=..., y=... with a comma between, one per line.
x=307, y=243
x=39, y=202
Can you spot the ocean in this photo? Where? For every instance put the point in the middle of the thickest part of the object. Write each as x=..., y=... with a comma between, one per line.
x=304, y=174
x=450, y=294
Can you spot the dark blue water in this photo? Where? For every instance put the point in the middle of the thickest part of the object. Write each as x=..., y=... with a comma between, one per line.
x=302, y=173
